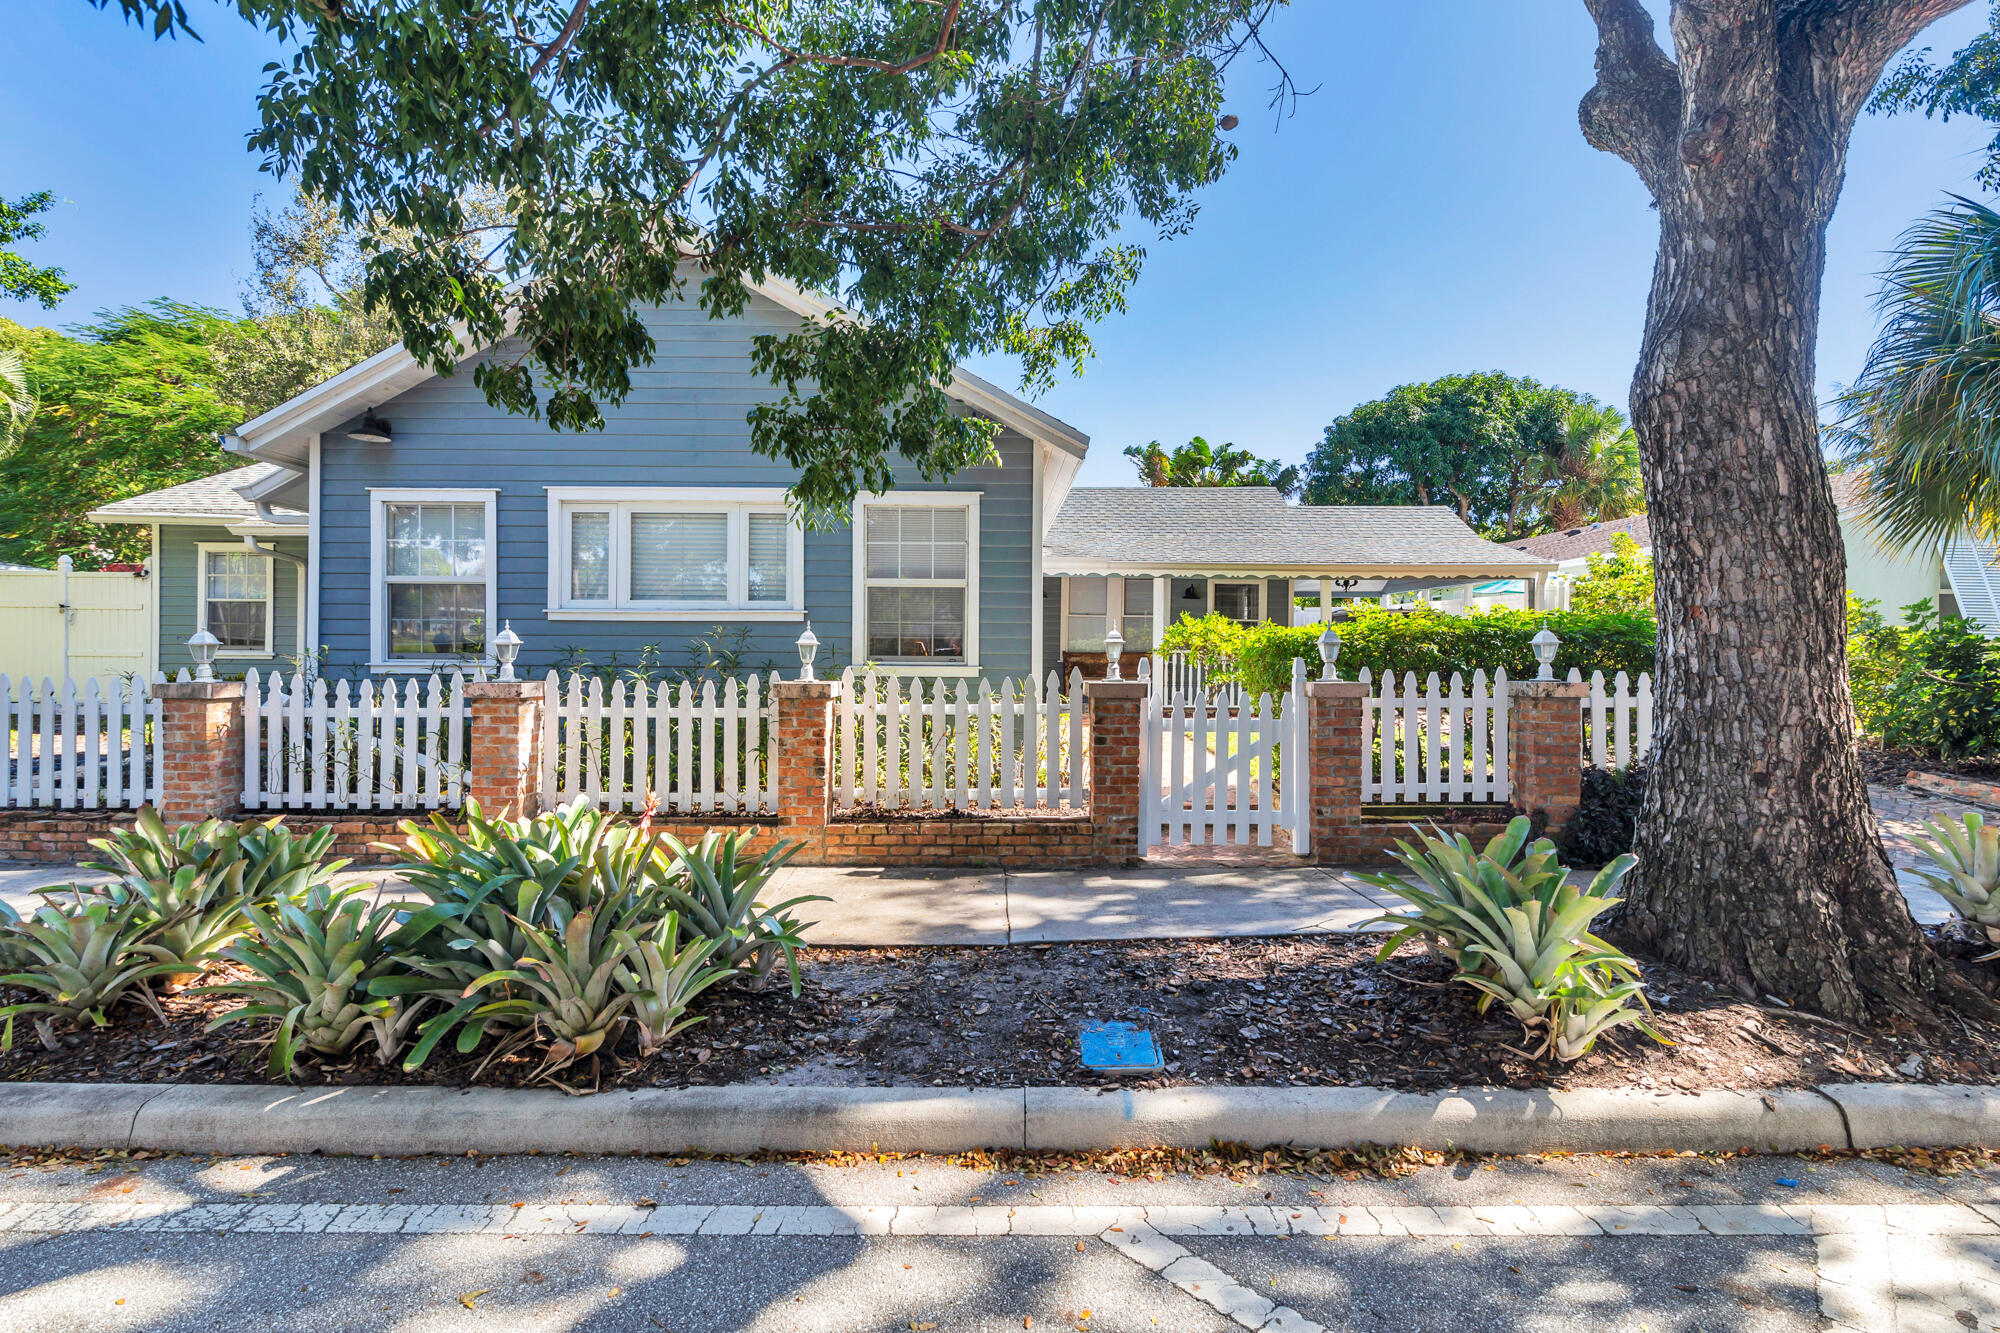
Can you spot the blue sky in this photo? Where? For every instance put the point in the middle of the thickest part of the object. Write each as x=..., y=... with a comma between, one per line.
x=1430, y=208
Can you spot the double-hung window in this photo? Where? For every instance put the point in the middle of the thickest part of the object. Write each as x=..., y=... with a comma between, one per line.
x=673, y=554
x=1089, y=599
x=1240, y=602
x=236, y=601
x=432, y=590
x=917, y=559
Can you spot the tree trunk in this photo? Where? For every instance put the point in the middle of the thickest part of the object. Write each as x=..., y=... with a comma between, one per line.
x=1759, y=858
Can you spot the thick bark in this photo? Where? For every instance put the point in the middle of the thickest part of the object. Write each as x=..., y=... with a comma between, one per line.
x=1759, y=860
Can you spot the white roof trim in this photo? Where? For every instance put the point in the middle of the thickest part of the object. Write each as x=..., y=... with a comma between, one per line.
x=394, y=370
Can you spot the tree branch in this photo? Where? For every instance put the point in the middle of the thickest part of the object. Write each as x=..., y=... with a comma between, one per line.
x=1634, y=110
x=1858, y=38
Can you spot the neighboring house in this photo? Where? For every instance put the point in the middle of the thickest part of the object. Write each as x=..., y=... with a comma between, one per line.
x=1959, y=579
x=422, y=519
x=1142, y=557
x=204, y=572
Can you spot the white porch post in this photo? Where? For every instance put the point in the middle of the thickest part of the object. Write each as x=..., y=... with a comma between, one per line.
x=1114, y=604
x=1160, y=607
x=1325, y=600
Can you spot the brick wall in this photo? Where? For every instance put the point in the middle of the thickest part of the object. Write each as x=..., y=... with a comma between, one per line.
x=974, y=841
x=1545, y=731
x=1117, y=711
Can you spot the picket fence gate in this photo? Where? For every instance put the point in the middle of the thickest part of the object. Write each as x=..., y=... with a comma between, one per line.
x=686, y=748
x=1617, y=723
x=1222, y=768
x=73, y=749
x=346, y=745
x=1434, y=744
x=1177, y=673
x=931, y=743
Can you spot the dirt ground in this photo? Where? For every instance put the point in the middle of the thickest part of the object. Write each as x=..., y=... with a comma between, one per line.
x=1311, y=1011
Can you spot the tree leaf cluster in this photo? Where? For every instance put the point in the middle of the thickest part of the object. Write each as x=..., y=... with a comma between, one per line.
x=1197, y=463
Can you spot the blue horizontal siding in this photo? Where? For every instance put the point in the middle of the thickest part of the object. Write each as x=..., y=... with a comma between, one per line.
x=683, y=425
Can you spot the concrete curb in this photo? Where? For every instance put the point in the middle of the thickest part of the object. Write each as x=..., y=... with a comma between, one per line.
x=741, y=1118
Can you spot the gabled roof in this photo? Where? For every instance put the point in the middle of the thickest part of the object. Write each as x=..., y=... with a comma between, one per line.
x=281, y=434
x=1590, y=539
x=219, y=499
x=1192, y=529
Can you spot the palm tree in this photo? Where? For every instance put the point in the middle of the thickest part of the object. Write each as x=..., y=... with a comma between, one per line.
x=1197, y=463
x=1593, y=473
x=1923, y=419
x=17, y=401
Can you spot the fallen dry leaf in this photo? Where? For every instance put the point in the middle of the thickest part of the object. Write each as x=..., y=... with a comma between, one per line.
x=469, y=1297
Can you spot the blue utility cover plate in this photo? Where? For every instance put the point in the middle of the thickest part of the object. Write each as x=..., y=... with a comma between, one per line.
x=1120, y=1048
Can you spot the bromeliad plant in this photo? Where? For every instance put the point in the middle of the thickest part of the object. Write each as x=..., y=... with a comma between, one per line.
x=664, y=976
x=312, y=963
x=716, y=889
x=84, y=956
x=1519, y=933
x=194, y=882
x=1969, y=854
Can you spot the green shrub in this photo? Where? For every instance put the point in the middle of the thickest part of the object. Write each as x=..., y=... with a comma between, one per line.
x=85, y=956
x=1427, y=640
x=1620, y=581
x=1969, y=854
x=1264, y=662
x=1945, y=696
x=1874, y=660
x=1519, y=932
x=1212, y=640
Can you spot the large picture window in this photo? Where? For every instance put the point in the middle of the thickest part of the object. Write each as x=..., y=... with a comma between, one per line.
x=919, y=580
x=236, y=600
x=1241, y=602
x=644, y=554
x=433, y=585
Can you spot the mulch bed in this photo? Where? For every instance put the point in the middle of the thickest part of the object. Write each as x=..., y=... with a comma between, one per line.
x=1279, y=1012
x=1891, y=767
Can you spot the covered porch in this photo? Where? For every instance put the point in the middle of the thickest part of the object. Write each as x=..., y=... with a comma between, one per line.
x=1138, y=559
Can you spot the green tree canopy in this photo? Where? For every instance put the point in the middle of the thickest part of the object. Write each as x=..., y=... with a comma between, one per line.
x=963, y=178
x=1498, y=449
x=1968, y=84
x=20, y=279
x=1196, y=463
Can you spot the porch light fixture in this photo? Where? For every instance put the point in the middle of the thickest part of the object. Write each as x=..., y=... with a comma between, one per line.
x=372, y=430
x=1329, y=652
x=506, y=647
x=1545, y=643
x=202, y=649
x=1114, y=645
x=808, y=649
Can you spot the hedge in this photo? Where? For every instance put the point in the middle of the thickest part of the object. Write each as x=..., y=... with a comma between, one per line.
x=1426, y=640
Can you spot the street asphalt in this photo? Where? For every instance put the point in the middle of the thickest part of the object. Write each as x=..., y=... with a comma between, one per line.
x=653, y=1244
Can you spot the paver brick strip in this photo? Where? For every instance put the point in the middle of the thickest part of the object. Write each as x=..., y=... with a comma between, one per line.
x=1118, y=1225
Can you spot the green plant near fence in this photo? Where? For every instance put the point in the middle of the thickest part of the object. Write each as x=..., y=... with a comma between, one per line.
x=1423, y=641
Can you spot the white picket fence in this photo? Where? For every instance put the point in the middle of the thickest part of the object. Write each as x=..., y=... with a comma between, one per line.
x=1178, y=673
x=342, y=745
x=1617, y=723
x=1435, y=743
x=931, y=743
x=1222, y=769
x=689, y=748
x=83, y=749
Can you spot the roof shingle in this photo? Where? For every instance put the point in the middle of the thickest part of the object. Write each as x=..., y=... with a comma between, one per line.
x=1186, y=527
x=215, y=498
x=1591, y=539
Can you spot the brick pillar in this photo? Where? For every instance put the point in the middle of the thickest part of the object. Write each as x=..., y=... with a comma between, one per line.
x=201, y=742
x=1333, y=711
x=503, y=770
x=1545, y=742
x=1117, y=712
x=802, y=763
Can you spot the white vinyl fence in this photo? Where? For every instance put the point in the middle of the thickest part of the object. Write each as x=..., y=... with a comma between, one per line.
x=1224, y=769
x=1177, y=673
x=911, y=742
x=83, y=749
x=69, y=625
x=341, y=745
x=1617, y=723
x=1435, y=743
x=688, y=747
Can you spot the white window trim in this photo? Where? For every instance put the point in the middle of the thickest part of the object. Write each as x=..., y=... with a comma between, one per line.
x=622, y=501
x=202, y=552
x=379, y=498
x=1263, y=596
x=966, y=500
